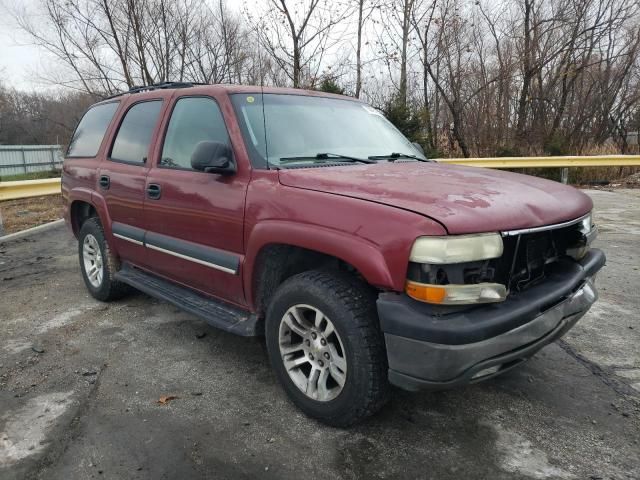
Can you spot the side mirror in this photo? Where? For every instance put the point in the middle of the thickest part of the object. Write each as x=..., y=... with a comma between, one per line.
x=418, y=147
x=213, y=157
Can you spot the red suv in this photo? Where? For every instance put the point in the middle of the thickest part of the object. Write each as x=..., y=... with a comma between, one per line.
x=308, y=218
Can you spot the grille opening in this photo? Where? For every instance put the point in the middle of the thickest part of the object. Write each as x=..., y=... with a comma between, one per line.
x=527, y=257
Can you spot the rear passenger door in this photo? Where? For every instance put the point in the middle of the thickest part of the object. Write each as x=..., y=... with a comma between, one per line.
x=121, y=178
x=194, y=220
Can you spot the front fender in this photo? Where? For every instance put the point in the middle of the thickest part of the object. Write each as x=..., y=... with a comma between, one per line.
x=360, y=253
x=372, y=237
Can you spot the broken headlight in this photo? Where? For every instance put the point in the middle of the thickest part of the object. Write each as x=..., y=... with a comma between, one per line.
x=453, y=270
x=587, y=232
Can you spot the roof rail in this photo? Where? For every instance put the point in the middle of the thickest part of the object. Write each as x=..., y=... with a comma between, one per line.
x=157, y=86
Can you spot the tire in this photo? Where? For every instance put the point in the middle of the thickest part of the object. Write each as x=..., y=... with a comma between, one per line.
x=348, y=305
x=103, y=286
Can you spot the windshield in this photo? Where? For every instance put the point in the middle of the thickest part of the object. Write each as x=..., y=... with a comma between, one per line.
x=315, y=129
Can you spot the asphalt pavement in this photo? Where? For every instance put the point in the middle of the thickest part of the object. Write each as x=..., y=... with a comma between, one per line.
x=82, y=384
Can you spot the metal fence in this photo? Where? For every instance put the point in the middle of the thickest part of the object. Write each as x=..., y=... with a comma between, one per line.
x=17, y=159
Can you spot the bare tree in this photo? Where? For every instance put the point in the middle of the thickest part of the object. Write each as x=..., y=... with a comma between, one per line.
x=395, y=42
x=296, y=34
x=479, y=77
x=365, y=8
x=445, y=42
x=107, y=45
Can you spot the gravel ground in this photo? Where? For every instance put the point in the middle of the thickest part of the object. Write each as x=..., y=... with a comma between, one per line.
x=80, y=382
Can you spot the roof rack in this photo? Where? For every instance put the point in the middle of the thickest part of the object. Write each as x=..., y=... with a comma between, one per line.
x=157, y=86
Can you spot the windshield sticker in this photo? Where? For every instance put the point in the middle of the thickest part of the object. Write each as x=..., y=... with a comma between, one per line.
x=250, y=99
x=372, y=111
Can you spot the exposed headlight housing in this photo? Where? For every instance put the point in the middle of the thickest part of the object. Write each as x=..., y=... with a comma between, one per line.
x=586, y=224
x=589, y=233
x=456, y=249
x=455, y=253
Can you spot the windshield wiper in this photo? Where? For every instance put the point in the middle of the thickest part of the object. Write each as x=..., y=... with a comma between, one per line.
x=395, y=155
x=328, y=156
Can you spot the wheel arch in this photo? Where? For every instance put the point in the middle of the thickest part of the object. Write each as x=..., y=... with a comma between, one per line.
x=80, y=212
x=278, y=250
x=84, y=205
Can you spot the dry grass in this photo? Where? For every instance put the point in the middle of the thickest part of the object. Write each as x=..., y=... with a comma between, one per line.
x=17, y=215
x=600, y=175
x=30, y=176
x=584, y=175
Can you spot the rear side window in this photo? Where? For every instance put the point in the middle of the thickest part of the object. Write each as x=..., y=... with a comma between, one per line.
x=134, y=135
x=194, y=120
x=91, y=129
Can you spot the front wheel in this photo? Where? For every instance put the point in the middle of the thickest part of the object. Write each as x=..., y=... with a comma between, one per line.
x=326, y=348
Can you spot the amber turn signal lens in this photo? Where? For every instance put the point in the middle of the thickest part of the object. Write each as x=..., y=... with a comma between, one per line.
x=425, y=293
x=456, y=294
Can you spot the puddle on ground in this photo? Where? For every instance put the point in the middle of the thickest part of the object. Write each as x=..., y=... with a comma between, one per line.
x=517, y=455
x=25, y=428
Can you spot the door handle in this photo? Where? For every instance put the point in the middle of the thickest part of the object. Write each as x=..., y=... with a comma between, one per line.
x=153, y=191
x=105, y=183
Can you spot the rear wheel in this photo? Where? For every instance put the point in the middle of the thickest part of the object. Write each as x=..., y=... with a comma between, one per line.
x=97, y=263
x=326, y=348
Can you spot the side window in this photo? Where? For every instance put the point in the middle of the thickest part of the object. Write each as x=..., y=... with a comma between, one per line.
x=134, y=135
x=90, y=131
x=194, y=120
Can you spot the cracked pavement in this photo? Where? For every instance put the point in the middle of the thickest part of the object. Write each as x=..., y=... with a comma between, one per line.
x=80, y=381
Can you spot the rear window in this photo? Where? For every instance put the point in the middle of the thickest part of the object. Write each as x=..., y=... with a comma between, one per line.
x=91, y=129
x=134, y=136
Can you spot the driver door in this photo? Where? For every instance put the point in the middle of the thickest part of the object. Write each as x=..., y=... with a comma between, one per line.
x=194, y=220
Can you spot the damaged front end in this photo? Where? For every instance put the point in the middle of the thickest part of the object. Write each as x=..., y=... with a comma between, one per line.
x=530, y=253
x=527, y=257
x=468, y=320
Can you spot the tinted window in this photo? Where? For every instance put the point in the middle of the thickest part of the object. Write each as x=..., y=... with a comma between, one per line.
x=136, y=130
x=193, y=120
x=90, y=131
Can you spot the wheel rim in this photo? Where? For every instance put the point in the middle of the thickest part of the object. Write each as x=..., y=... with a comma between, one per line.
x=92, y=258
x=312, y=353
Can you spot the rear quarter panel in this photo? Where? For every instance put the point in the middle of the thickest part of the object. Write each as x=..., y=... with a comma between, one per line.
x=79, y=177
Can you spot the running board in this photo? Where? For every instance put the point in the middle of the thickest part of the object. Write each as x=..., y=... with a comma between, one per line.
x=215, y=312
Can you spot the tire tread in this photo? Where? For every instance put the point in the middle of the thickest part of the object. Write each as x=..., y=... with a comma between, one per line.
x=359, y=298
x=113, y=289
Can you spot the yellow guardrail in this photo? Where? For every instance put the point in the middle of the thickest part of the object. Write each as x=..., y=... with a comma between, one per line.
x=543, y=162
x=29, y=188
x=51, y=186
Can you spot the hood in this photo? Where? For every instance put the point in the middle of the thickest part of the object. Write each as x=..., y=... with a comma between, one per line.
x=463, y=199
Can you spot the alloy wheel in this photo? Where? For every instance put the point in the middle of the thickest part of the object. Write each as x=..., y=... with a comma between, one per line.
x=312, y=352
x=92, y=257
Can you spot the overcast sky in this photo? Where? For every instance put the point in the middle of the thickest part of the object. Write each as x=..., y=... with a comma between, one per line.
x=19, y=61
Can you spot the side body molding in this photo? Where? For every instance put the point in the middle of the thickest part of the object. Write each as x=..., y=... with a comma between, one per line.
x=201, y=254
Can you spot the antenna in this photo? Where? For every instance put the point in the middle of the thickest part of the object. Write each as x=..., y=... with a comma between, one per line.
x=264, y=116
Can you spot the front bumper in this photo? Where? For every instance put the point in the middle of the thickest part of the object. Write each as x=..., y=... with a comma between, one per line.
x=434, y=349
